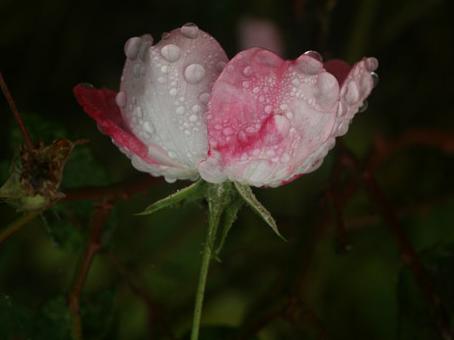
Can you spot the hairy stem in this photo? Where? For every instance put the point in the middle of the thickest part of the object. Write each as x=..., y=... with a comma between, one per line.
x=215, y=212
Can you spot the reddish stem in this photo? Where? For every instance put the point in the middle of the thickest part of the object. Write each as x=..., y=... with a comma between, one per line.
x=12, y=105
x=98, y=220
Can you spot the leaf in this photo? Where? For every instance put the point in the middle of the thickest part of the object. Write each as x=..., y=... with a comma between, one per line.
x=230, y=215
x=246, y=193
x=189, y=194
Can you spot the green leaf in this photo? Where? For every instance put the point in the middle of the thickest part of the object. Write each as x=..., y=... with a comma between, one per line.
x=229, y=217
x=189, y=194
x=246, y=193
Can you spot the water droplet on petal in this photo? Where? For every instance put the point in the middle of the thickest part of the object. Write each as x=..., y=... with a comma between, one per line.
x=246, y=84
x=228, y=131
x=204, y=97
x=196, y=108
x=268, y=58
x=193, y=118
x=190, y=30
x=342, y=128
x=364, y=106
x=375, y=78
x=180, y=110
x=315, y=55
x=173, y=91
x=282, y=124
x=148, y=127
x=161, y=80
x=268, y=108
x=132, y=47
x=120, y=99
x=164, y=69
x=285, y=158
x=171, y=52
x=247, y=71
x=194, y=73
x=371, y=64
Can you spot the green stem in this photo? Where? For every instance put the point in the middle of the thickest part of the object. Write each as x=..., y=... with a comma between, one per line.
x=17, y=225
x=215, y=213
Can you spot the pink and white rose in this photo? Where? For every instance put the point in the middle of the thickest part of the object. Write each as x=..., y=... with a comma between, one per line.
x=185, y=111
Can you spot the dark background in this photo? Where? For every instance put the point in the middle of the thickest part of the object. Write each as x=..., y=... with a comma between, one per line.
x=324, y=283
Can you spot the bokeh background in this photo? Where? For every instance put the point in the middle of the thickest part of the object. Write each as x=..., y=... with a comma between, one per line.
x=339, y=276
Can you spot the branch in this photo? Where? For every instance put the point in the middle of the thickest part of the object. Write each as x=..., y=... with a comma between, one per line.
x=98, y=220
x=17, y=225
x=407, y=252
x=123, y=190
x=12, y=105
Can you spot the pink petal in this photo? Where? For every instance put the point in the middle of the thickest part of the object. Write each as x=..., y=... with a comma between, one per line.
x=165, y=90
x=100, y=105
x=271, y=120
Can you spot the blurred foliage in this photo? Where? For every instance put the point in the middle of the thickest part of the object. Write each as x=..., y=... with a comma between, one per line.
x=48, y=46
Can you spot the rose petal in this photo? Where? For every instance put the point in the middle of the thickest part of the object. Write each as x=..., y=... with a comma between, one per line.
x=166, y=88
x=100, y=105
x=269, y=119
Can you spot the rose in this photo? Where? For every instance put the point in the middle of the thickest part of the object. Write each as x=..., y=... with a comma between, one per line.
x=184, y=110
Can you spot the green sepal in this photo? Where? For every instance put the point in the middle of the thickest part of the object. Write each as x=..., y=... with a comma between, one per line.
x=246, y=193
x=229, y=217
x=193, y=192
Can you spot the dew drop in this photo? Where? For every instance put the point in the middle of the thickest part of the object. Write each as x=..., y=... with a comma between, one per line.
x=315, y=55
x=193, y=118
x=164, y=69
x=204, y=97
x=190, y=30
x=247, y=71
x=161, y=80
x=342, y=128
x=173, y=92
x=228, y=131
x=268, y=108
x=148, y=127
x=375, y=78
x=171, y=52
x=194, y=73
x=132, y=47
x=255, y=90
x=285, y=158
x=120, y=99
x=246, y=84
x=364, y=106
x=371, y=64
x=180, y=110
x=196, y=108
